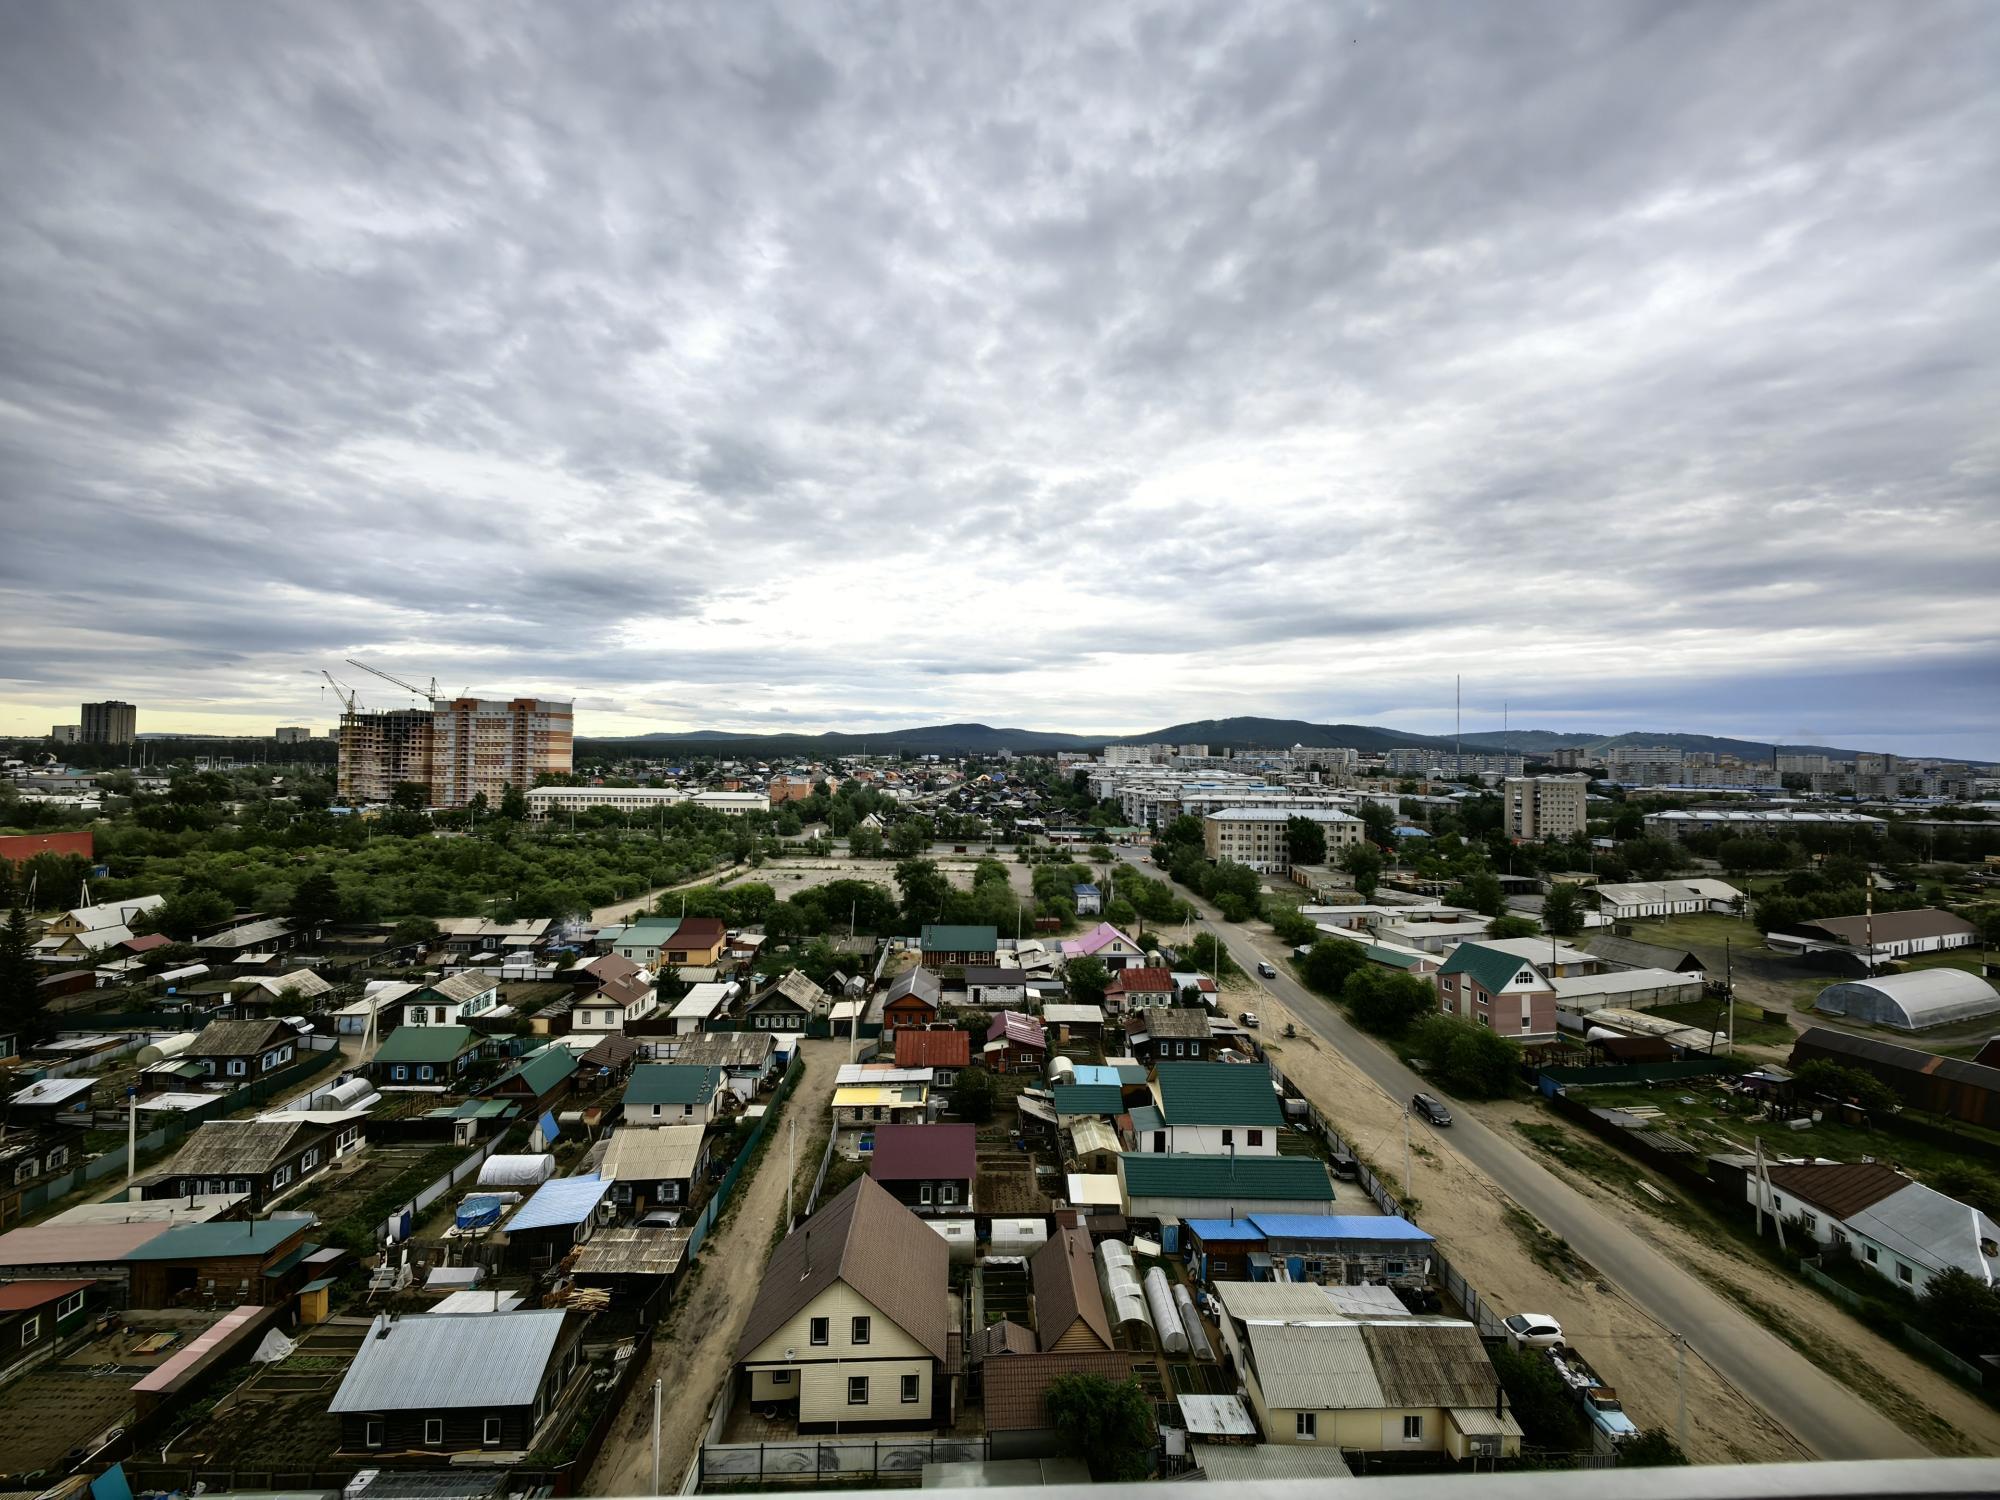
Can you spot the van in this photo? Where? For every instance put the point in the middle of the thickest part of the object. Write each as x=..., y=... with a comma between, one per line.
x=1267, y=970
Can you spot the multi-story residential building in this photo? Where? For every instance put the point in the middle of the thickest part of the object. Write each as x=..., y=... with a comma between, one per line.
x=293, y=734
x=1805, y=765
x=67, y=734
x=1416, y=762
x=109, y=723
x=1257, y=836
x=1544, y=807
x=1645, y=765
x=458, y=747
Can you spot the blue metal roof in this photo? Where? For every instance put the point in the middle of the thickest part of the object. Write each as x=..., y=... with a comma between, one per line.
x=561, y=1200
x=1338, y=1227
x=1097, y=1074
x=1225, y=1229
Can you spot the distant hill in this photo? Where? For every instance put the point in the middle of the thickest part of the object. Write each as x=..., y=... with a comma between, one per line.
x=1542, y=741
x=1282, y=734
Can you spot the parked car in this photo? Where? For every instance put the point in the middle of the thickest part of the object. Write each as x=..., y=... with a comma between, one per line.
x=1249, y=1019
x=1431, y=1109
x=1267, y=970
x=1533, y=1331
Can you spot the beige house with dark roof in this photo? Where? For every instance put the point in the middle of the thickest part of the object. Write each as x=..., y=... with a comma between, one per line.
x=1069, y=1307
x=852, y=1325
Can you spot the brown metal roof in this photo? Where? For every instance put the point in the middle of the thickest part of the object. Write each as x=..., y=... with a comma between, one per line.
x=916, y=1153
x=867, y=1239
x=933, y=1049
x=1066, y=1288
x=1890, y=926
x=1015, y=1385
x=1842, y=1189
x=1006, y=1337
x=79, y=1244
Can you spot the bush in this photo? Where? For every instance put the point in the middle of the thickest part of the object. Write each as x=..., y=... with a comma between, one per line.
x=1385, y=1003
x=1332, y=959
x=1652, y=1449
x=1292, y=929
x=1107, y=1423
x=1467, y=1060
x=1541, y=1402
x=1835, y=1081
x=973, y=1095
x=1512, y=926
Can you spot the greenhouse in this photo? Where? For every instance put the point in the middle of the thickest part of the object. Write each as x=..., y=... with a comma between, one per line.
x=1912, y=1002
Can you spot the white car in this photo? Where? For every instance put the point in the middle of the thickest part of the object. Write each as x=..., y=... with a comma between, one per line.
x=1249, y=1019
x=1533, y=1331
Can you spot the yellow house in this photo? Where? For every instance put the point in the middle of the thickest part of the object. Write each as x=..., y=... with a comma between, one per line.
x=853, y=1322
x=1337, y=1367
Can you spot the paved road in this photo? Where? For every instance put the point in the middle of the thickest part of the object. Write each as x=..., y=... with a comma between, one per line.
x=1820, y=1412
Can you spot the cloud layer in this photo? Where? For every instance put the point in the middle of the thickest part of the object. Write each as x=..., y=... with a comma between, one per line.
x=1082, y=367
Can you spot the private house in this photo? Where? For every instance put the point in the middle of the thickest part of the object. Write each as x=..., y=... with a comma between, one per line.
x=929, y=1169
x=461, y=937
x=948, y=947
x=1104, y=1101
x=945, y=1053
x=1106, y=943
x=1210, y=1108
x=460, y=1383
x=453, y=1000
x=1018, y=1424
x=640, y=941
x=1551, y=955
x=695, y=943
x=293, y=994
x=537, y=1082
x=241, y=1052
x=614, y=992
x=263, y=1159
x=700, y=1005
x=1172, y=1188
x=789, y=1003
x=1874, y=941
x=852, y=1323
x=1666, y=898
x=911, y=1003
x=424, y=1057
x=654, y=1167
x=226, y=1262
x=1140, y=989
x=249, y=945
x=560, y=1215
x=675, y=1094
x=1015, y=1043
x=52, y=1102
x=1180, y=1033
x=1497, y=990
x=1328, y=1249
x=1384, y=1385
x=1069, y=1306
x=35, y=1316
x=85, y=930
x=749, y=1060
x=881, y=1096
x=996, y=987
x=1074, y=1022
x=1901, y=1230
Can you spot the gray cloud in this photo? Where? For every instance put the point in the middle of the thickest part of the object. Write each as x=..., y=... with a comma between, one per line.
x=740, y=364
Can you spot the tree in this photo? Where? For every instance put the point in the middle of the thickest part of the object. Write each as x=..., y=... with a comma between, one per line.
x=24, y=1009
x=1109, y=1424
x=1305, y=841
x=1963, y=1309
x=1512, y=925
x=973, y=1095
x=1387, y=1003
x=513, y=804
x=1206, y=953
x=1650, y=858
x=784, y=922
x=1987, y=920
x=1182, y=835
x=1363, y=863
x=924, y=889
x=1479, y=891
x=911, y=835
x=1542, y=1404
x=1969, y=1184
x=865, y=843
x=413, y=930
x=1864, y=1089
x=187, y=911
x=1293, y=928
x=1653, y=1448
x=1086, y=978
x=1562, y=909
x=1469, y=1060
x=1329, y=963
x=316, y=902
x=410, y=796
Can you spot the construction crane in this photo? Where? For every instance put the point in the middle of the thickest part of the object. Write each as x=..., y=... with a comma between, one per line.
x=408, y=687
x=349, y=699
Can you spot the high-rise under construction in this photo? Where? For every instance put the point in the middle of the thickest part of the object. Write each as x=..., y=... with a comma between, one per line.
x=458, y=748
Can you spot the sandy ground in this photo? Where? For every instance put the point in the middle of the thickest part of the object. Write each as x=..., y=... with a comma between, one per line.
x=694, y=1349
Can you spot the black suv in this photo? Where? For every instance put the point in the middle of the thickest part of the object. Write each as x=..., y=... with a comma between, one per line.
x=1431, y=1109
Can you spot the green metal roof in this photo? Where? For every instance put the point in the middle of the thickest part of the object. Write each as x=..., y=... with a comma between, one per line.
x=1391, y=956
x=672, y=1083
x=426, y=1044
x=1491, y=968
x=946, y=939
x=541, y=1072
x=1088, y=1099
x=1298, y=1179
x=1212, y=1093
x=220, y=1238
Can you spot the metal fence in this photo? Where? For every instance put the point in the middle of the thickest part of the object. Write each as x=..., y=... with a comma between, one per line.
x=832, y=1460
x=1927, y=1345
x=825, y=1163
x=1828, y=1285
x=723, y=1189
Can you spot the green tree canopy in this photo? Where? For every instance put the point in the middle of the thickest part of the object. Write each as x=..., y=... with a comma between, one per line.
x=1512, y=925
x=1562, y=909
x=1305, y=841
x=1086, y=978
x=1364, y=865
x=1108, y=1424
x=973, y=1096
x=1387, y=1003
x=1468, y=1060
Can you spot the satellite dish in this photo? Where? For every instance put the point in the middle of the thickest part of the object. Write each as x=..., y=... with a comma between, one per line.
x=791, y=1354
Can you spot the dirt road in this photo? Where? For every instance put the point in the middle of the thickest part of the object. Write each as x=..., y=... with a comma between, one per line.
x=694, y=1348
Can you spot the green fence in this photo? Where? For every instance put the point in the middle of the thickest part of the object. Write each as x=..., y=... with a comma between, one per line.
x=748, y=1150
x=1628, y=1073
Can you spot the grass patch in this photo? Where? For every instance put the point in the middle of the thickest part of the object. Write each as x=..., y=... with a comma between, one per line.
x=1549, y=1251
x=1751, y=1027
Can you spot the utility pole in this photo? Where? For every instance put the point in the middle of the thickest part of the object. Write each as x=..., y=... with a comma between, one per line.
x=656, y=1437
x=1406, y=1153
x=1681, y=1388
x=1729, y=994
x=131, y=1133
x=791, y=1168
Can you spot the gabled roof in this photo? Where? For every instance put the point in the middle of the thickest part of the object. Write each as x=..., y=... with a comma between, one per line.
x=239, y=1038
x=1016, y=1385
x=614, y=1051
x=673, y=1083
x=1926, y=1226
x=1213, y=1093
x=944, y=938
x=462, y=1361
x=638, y=1153
x=221, y=1239
x=1888, y=927
x=1492, y=968
x=882, y=1251
x=540, y=1073
x=1088, y=1099
x=920, y=982
x=559, y=1201
x=426, y=1044
x=728, y=1049
x=467, y=984
x=1100, y=937
x=933, y=1049
x=1299, y=1179
x=1842, y=1189
x=697, y=932
x=795, y=990
x=1630, y=953
x=1180, y=1021
x=221, y=1147
x=1065, y=1281
x=917, y=1153
x=1016, y=1027
x=1151, y=980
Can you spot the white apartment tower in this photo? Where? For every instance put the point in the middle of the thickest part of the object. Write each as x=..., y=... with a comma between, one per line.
x=1544, y=807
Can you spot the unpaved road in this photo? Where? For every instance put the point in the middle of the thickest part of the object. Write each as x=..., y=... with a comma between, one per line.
x=694, y=1349
x=1825, y=1417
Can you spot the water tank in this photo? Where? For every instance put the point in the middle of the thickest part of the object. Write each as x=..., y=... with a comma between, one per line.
x=166, y=1047
x=1166, y=1318
x=1061, y=1070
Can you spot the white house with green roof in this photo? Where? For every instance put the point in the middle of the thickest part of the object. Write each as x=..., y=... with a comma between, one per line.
x=425, y=1057
x=1213, y=1108
x=1498, y=990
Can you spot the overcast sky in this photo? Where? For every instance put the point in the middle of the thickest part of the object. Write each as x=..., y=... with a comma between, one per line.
x=1077, y=367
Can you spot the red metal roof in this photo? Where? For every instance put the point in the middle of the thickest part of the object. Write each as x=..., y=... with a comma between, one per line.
x=1149, y=980
x=1016, y=1027
x=906, y=1153
x=933, y=1049
x=19, y=1296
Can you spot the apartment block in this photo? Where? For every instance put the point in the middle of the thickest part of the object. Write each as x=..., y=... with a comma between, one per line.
x=1255, y=836
x=109, y=723
x=458, y=748
x=67, y=734
x=292, y=734
x=1544, y=807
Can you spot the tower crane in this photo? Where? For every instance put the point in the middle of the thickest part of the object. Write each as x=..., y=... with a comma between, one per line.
x=408, y=687
x=349, y=699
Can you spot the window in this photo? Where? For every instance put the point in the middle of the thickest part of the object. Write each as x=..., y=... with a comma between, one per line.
x=371, y=1432
x=70, y=1304
x=1808, y=1221
x=910, y=1388
x=58, y=1157
x=433, y=1431
x=399, y=1073
x=1305, y=1426
x=31, y=1329
x=820, y=1331
x=238, y=1067
x=857, y=1390
x=858, y=1331
x=1904, y=1274
x=1228, y=1137
x=924, y=1193
x=281, y=1176
x=781, y=1377
x=490, y=1432
x=948, y=1193
x=1254, y=1137
x=1413, y=1429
